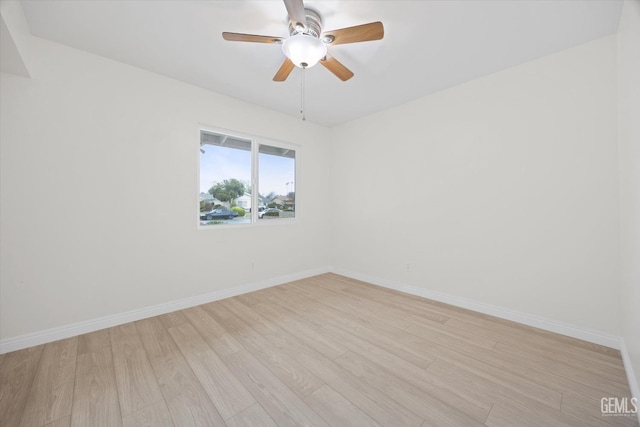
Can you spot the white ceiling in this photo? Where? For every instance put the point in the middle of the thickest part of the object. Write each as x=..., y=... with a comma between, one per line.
x=428, y=45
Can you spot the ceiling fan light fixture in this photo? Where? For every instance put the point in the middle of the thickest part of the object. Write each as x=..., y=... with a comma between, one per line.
x=304, y=50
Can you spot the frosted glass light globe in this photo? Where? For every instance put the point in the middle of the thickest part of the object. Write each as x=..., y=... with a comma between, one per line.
x=304, y=50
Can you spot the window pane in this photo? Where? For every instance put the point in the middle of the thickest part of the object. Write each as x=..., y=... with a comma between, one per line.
x=276, y=179
x=225, y=179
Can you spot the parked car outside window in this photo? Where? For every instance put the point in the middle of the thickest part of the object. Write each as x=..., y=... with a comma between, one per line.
x=269, y=212
x=221, y=213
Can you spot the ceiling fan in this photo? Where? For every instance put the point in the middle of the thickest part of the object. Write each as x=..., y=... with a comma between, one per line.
x=307, y=43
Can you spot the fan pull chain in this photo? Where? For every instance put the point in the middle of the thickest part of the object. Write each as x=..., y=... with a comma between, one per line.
x=302, y=95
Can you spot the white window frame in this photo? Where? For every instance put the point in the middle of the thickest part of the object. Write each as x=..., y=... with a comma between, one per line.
x=256, y=141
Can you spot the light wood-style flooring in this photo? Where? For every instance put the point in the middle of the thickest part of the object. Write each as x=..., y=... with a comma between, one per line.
x=321, y=351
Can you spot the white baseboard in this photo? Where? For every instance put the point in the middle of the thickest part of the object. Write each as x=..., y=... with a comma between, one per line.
x=54, y=334
x=584, y=334
x=628, y=368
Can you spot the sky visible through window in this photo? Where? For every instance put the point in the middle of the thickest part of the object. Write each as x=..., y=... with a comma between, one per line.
x=220, y=163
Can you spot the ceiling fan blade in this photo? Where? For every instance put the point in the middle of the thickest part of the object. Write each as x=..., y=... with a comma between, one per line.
x=239, y=37
x=336, y=67
x=359, y=33
x=284, y=71
x=297, y=15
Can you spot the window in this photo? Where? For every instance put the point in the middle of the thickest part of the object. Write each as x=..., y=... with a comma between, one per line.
x=276, y=184
x=245, y=179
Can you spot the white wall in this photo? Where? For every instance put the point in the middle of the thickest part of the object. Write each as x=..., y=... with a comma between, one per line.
x=503, y=190
x=629, y=93
x=14, y=39
x=99, y=193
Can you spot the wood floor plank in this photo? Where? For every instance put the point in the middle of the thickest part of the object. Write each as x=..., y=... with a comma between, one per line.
x=367, y=291
x=421, y=344
x=516, y=369
x=537, y=343
x=368, y=326
x=337, y=410
x=175, y=318
x=17, y=372
x=421, y=314
x=289, y=312
x=614, y=386
x=284, y=366
x=508, y=381
x=284, y=406
x=446, y=340
x=62, y=422
x=332, y=297
x=304, y=332
x=493, y=387
x=215, y=335
x=382, y=336
x=94, y=341
x=361, y=304
x=487, y=322
x=248, y=316
x=417, y=345
x=249, y=299
x=137, y=384
x=474, y=405
x=404, y=299
x=187, y=401
x=223, y=388
x=156, y=415
x=254, y=416
x=508, y=414
x=342, y=307
x=372, y=402
x=542, y=384
x=95, y=397
x=51, y=394
x=433, y=410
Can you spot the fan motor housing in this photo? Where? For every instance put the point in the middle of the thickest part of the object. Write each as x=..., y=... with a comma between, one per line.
x=314, y=24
